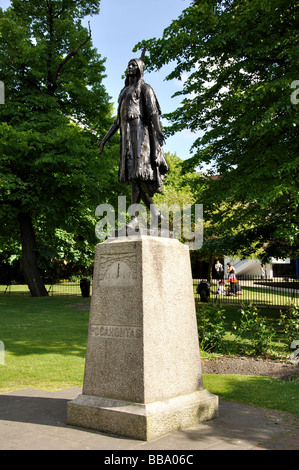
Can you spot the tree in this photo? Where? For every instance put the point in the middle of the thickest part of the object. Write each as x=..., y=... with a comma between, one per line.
x=55, y=107
x=180, y=186
x=238, y=60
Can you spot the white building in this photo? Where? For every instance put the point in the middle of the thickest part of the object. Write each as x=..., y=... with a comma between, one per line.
x=254, y=267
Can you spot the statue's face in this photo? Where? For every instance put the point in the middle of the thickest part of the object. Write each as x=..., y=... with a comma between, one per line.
x=132, y=68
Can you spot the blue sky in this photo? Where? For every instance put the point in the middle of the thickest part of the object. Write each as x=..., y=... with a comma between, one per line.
x=115, y=31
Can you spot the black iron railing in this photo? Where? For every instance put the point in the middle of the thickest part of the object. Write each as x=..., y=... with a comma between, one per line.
x=276, y=291
x=251, y=289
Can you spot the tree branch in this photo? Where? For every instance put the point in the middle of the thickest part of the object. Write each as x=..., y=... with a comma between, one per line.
x=69, y=56
x=143, y=54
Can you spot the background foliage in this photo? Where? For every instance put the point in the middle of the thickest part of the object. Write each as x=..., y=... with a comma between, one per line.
x=237, y=60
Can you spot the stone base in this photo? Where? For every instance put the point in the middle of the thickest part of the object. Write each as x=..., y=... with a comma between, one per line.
x=143, y=375
x=142, y=421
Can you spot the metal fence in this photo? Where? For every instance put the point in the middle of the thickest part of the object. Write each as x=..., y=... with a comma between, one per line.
x=268, y=292
x=251, y=289
x=61, y=288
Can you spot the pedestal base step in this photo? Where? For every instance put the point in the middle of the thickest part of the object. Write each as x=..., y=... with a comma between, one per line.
x=142, y=421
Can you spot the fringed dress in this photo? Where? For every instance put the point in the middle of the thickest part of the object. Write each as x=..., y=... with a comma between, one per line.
x=141, y=157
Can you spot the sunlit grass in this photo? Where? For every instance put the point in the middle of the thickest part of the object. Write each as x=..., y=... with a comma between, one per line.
x=255, y=390
x=45, y=344
x=44, y=341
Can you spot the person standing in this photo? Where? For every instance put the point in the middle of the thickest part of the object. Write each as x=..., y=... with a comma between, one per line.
x=219, y=269
x=230, y=269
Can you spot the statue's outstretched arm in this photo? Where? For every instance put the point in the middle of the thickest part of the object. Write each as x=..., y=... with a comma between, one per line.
x=110, y=133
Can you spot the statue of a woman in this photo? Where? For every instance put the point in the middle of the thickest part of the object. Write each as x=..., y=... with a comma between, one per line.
x=142, y=162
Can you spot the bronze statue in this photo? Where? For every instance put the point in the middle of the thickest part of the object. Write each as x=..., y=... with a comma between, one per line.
x=142, y=163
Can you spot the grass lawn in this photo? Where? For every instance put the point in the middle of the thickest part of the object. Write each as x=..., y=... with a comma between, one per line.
x=255, y=390
x=45, y=343
x=44, y=340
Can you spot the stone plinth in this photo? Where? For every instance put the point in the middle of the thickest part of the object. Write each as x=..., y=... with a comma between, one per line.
x=142, y=371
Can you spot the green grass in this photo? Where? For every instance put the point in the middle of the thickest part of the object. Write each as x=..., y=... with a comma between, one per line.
x=44, y=340
x=45, y=343
x=255, y=390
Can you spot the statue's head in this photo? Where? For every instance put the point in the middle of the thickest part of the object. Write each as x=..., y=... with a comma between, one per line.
x=135, y=67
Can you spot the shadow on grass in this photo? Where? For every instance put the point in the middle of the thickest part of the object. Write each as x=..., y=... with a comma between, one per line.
x=49, y=325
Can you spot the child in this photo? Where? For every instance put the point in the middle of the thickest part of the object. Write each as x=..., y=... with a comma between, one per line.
x=221, y=288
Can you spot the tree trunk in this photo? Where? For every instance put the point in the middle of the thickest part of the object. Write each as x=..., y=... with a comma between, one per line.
x=210, y=267
x=29, y=264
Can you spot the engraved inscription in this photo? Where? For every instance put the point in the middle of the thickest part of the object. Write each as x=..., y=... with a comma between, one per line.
x=118, y=270
x=113, y=331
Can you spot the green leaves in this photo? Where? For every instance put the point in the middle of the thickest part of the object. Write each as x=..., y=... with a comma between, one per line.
x=239, y=59
x=289, y=321
x=55, y=107
x=254, y=328
x=211, y=327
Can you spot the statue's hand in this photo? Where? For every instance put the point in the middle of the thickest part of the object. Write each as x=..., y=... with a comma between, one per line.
x=161, y=138
x=101, y=147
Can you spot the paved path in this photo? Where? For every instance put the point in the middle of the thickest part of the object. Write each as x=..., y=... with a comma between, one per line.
x=34, y=419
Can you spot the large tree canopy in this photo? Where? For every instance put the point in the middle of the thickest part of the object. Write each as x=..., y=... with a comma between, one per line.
x=238, y=60
x=55, y=106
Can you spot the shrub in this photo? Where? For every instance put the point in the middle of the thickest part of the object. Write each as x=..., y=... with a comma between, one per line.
x=211, y=330
x=289, y=321
x=254, y=328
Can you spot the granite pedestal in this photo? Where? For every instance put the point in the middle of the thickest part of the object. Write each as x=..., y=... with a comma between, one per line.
x=142, y=371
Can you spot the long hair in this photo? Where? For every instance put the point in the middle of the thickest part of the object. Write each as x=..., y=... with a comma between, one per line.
x=139, y=82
